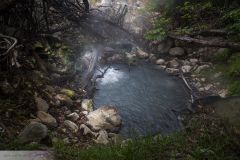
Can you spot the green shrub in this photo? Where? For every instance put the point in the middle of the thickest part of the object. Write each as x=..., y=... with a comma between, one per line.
x=234, y=69
x=159, y=30
x=222, y=55
x=234, y=88
x=232, y=20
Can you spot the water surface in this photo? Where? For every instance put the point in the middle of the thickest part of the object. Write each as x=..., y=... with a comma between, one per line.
x=145, y=98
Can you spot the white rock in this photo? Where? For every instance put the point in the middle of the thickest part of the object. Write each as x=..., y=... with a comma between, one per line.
x=106, y=118
x=72, y=126
x=85, y=112
x=87, y=131
x=186, y=69
x=73, y=116
x=87, y=104
x=102, y=137
x=160, y=61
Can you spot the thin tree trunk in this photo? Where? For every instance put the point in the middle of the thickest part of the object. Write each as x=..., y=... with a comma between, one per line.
x=225, y=44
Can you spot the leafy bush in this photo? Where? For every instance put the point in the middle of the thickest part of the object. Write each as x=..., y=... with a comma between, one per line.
x=234, y=69
x=222, y=55
x=232, y=20
x=160, y=29
x=234, y=88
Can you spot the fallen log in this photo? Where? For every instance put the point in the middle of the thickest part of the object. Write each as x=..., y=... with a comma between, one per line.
x=222, y=44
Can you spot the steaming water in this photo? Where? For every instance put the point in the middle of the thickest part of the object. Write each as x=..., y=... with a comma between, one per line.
x=144, y=97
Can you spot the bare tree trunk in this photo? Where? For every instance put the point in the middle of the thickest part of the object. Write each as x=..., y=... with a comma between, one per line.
x=232, y=45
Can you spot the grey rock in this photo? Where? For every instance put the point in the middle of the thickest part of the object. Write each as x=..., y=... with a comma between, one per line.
x=160, y=61
x=42, y=105
x=173, y=64
x=73, y=116
x=34, y=132
x=202, y=67
x=177, y=51
x=71, y=125
x=186, y=69
x=47, y=119
x=65, y=100
x=165, y=46
x=142, y=54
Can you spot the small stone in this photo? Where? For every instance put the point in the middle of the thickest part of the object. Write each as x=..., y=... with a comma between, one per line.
x=42, y=105
x=71, y=125
x=68, y=92
x=87, y=104
x=34, y=132
x=198, y=84
x=142, y=54
x=85, y=112
x=173, y=63
x=223, y=93
x=172, y=70
x=201, y=68
x=152, y=57
x=73, y=116
x=186, y=69
x=177, y=51
x=208, y=87
x=65, y=100
x=47, y=118
x=201, y=89
x=203, y=79
x=193, y=61
x=160, y=61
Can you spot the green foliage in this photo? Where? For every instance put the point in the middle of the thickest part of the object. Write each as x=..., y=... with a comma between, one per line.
x=202, y=140
x=222, y=55
x=234, y=69
x=196, y=14
x=234, y=88
x=232, y=20
x=159, y=30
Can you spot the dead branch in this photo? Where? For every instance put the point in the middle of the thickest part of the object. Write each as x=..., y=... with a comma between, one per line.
x=12, y=45
x=225, y=44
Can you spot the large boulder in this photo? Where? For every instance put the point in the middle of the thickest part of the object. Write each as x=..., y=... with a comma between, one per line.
x=34, y=132
x=142, y=54
x=104, y=118
x=177, y=51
